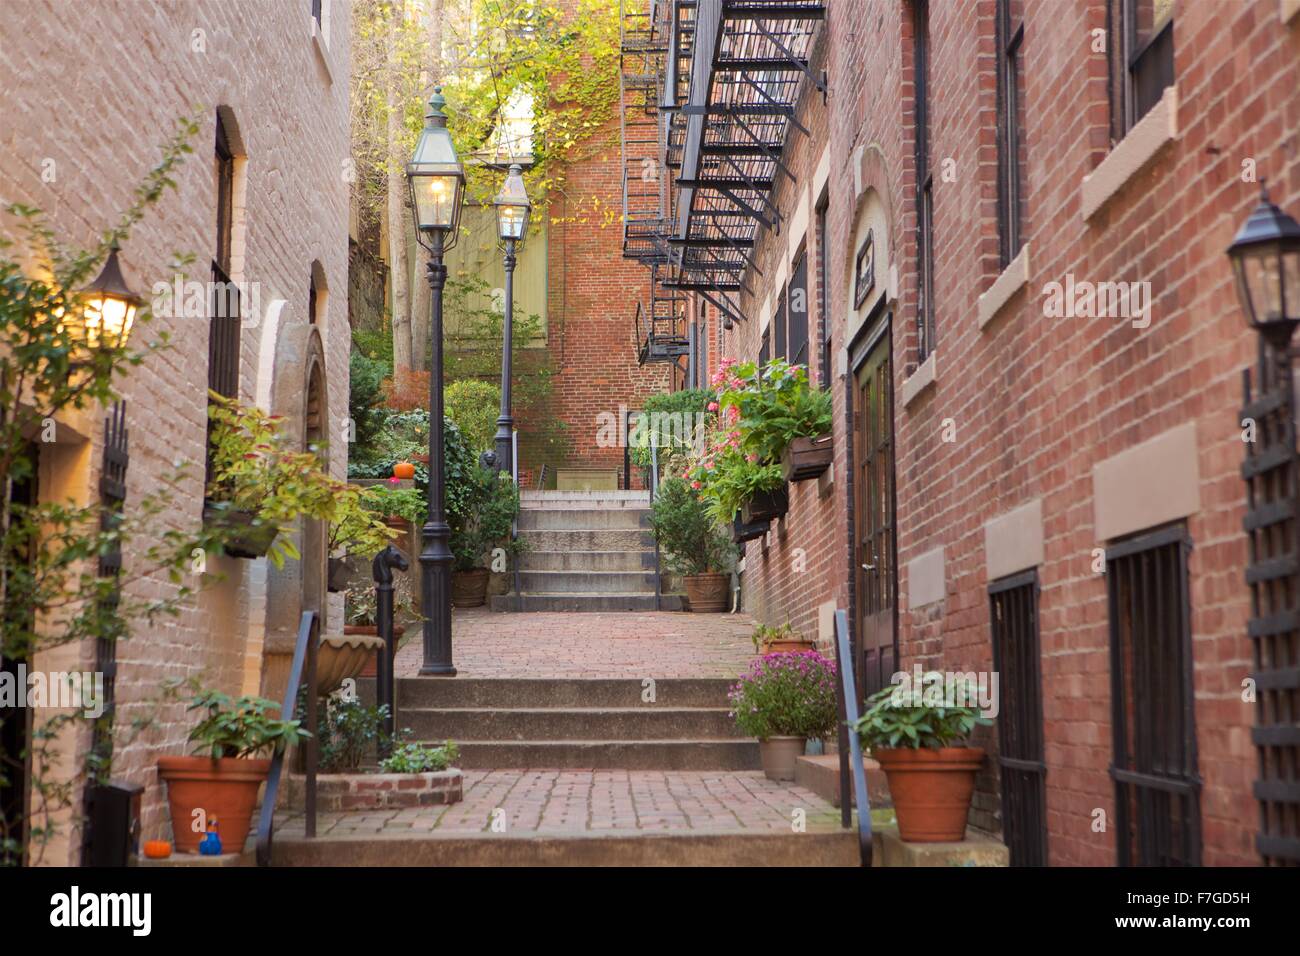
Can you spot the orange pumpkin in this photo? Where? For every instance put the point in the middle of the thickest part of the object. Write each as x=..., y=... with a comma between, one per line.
x=157, y=849
x=403, y=470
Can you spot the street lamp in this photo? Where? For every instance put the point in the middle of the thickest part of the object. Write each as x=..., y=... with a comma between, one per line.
x=437, y=181
x=1266, y=259
x=513, y=210
x=109, y=308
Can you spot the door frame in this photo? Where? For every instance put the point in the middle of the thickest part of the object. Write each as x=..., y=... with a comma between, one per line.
x=875, y=330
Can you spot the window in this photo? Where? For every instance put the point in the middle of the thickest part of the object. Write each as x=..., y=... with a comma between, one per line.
x=824, y=291
x=924, y=180
x=778, y=321
x=316, y=11
x=1010, y=33
x=1157, y=787
x=311, y=300
x=223, y=321
x=1141, y=50
x=225, y=173
x=797, y=306
x=1013, y=604
x=765, y=349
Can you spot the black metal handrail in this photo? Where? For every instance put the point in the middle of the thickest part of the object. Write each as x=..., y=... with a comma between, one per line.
x=654, y=490
x=305, y=650
x=851, y=756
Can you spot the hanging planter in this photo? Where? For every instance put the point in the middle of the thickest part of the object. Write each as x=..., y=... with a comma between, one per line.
x=806, y=458
x=742, y=531
x=766, y=505
x=340, y=569
x=246, y=536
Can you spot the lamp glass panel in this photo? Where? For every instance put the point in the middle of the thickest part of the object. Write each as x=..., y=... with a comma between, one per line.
x=435, y=200
x=1291, y=281
x=511, y=221
x=1264, y=278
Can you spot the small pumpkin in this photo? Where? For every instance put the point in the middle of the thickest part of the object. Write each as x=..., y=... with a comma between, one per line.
x=404, y=470
x=157, y=849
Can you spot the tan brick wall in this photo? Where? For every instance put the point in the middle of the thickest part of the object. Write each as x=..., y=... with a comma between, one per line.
x=95, y=88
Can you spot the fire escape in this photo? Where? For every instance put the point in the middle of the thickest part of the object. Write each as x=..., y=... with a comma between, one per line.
x=710, y=86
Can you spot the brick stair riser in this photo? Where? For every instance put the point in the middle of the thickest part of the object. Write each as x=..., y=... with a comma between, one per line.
x=626, y=561
x=594, y=520
x=505, y=693
x=650, y=723
x=491, y=849
x=584, y=602
x=570, y=582
x=612, y=755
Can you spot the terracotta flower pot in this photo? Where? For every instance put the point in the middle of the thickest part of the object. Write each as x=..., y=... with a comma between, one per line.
x=778, y=755
x=469, y=588
x=708, y=593
x=224, y=788
x=781, y=647
x=931, y=790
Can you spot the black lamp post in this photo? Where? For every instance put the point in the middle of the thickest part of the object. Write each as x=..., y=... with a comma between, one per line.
x=513, y=210
x=437, y=182
x=1266, y=259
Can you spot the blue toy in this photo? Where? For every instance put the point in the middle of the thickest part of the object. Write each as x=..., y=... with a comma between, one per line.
x=211, y=843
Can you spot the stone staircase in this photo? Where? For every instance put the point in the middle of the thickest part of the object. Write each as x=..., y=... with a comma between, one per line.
x=586, y=551
x=594, y=724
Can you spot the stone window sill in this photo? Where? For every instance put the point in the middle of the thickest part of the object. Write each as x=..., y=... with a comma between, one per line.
x=322, y=51
x=1134, y=151
x=1013, y=278
x=920, y=380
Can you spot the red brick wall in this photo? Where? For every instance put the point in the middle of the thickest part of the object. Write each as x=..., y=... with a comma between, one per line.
x=1036, y=402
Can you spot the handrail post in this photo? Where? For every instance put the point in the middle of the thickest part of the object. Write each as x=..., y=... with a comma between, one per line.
x=313, y=724
x=849, y=716
x=385, y=682
x=654, y=490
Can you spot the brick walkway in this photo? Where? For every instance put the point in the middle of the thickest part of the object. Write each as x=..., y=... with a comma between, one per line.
x=556, y=802
x=623, y=644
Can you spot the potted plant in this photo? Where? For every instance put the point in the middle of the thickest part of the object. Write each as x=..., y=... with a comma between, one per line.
x=779, y=640
x=235, y=739
x=260, y=484
x=693, y=545
x=931, y=770
x=355, y=532
x=783, y=700
x=482, y=523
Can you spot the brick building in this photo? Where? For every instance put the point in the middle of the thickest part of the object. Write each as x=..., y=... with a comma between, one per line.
x=88, y=99
x=1010, y=221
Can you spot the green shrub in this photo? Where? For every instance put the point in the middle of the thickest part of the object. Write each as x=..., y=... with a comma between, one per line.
x=669, y=421
x=786, y=695
x=241, y=728
x=417, y=758
x=474, y=406
x=893, y=720
x=366, y=396
x=349, y=734
x=691, y=540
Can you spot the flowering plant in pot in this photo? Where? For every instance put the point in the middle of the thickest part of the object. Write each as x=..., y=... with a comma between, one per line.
x=779, y=639
x=784, y=699
x=693, y=544
x=920, y=743
x=220, y=783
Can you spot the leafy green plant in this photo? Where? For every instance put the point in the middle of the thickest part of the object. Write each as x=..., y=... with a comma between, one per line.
x=350, y=734
x=687, y=533
x=418, y=758
x=392, y=500
x=484, y=521
x=786, y=695
x=241, y=728
x=773, y=404
x=355, y=528
x=474, y=406
x=891, y=721
x=726, y=477
x=669, y=421
x=768, y=634
x=366, y=395
x=359, y=607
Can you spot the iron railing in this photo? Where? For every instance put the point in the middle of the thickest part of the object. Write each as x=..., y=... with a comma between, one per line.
x=305, y=651
x=850, y=747
x=654, y=491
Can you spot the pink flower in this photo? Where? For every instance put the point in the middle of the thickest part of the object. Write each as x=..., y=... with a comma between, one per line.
x=713, y=406
x=695, y=485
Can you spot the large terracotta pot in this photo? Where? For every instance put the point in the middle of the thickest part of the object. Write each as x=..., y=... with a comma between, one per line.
x=708, y=593
x=792, y=645
x=225, y=789
x=469, y=588
x=778, y=755
x=931, y=790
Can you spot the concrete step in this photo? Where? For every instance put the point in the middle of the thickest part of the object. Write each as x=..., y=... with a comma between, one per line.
x=567, y=500
x=836, y=848
x=639, y=560
x=587, y=582
x=821, y=775
x=589, y=601
x=585, y=519
x=650, y=722
x=608, y=539
x=696, y=754
x=560, y=693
